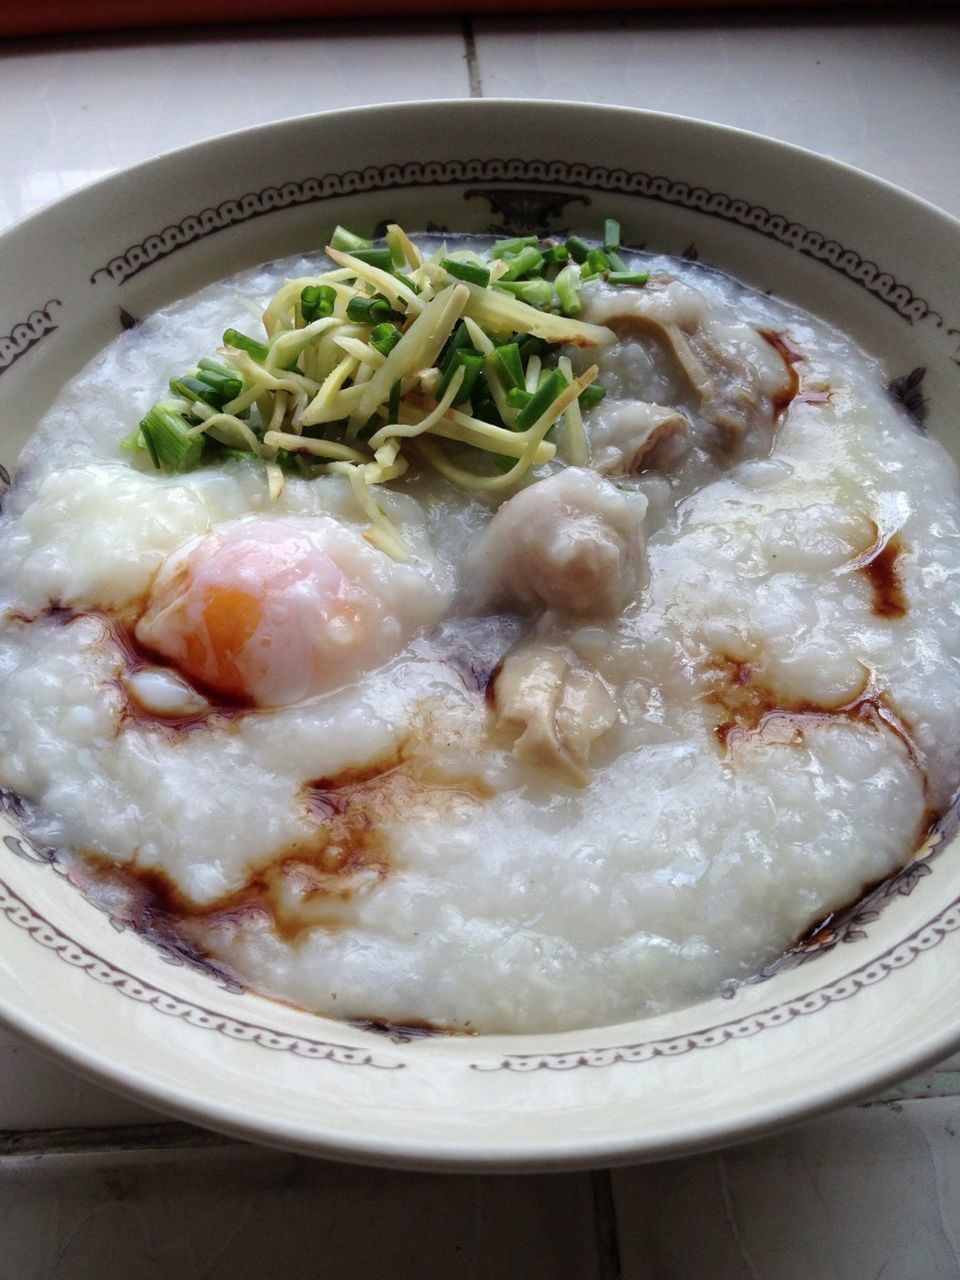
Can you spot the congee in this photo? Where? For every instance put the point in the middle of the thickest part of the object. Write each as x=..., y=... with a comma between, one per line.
x=506, y=636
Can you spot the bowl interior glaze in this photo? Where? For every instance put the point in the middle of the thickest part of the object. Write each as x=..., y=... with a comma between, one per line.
x=877, y=996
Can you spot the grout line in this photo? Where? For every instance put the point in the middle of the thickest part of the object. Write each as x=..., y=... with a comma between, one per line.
x=932, y=1084
x=605, y=1225
x=473, y=64
x=162, y=1136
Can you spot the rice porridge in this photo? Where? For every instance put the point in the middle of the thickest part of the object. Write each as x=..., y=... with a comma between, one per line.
x=410, y=680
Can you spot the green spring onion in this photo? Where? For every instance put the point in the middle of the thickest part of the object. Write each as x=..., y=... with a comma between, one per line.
x=531, y=346
x=134, y=442
x=166, y=434
x=459, y=340
x=393, y=403
x=493, y=379
x=192, y=389
x=380, y=258
x=501, y=248
x=258, y=350
x=370, y=310
x=536, y=293
x=472, y=364
x=508, y=365
x=578, y=248
x=567, y=285
x=591, y=395
x=384, y=337
x=527, y=262
x=595, y=264
x=484, y=405
x=347, y=242
x=541, y=400
x=469, y=271
x=628, y=277
x=317, y=302
x=225, y=383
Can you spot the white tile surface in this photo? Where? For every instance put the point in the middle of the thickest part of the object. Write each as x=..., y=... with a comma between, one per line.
x=71, y=112
x=869, y=1194
x=239, y=1213
x=883, y=95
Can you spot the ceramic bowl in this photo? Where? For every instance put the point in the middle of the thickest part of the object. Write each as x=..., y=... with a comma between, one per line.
x=875, y=996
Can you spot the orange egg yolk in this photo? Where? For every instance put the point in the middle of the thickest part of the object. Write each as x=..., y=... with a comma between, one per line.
x=231, y=617
x=258, y=614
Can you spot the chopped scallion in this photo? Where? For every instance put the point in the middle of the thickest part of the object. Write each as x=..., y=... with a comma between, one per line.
x=595, y=264
x=459, y=340
x=531, y=346
x=258, y=350
x=591, y=395
x=611, y=235
x=507, y=363
x=317, y=302
x=134, y=442
x=347, y=242
x=393, y=403
x=536, y=293
x=207, y=365
x=567, y=285
x=395, y=245
x=484, y=405
x=380, y=258
x=384, y=337
x=527, y=262
x=541, y=400
x=578, y=248
x=628, y=277
x=469, y=271
x=374, y=311
x=503, y=247
x=193, y=389
x=472, y=364
x=166, y=434
x=226, y=384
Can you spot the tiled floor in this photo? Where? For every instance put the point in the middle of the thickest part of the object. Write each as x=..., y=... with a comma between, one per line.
x=94, y=1186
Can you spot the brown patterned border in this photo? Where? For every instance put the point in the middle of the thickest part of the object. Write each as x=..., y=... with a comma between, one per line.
x=897, y=957
x=27, y=334
x=19, y=913
x=539, y=173
x=850, y=924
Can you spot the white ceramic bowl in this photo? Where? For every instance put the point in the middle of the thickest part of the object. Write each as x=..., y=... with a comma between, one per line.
x=878, y=998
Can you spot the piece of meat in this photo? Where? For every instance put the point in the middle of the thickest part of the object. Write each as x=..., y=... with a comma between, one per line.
x=553, y=708
x=734, y=381
x=572, y=542
x=633, y=435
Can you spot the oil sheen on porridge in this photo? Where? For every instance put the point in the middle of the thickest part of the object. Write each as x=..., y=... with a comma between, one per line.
x=597, y=743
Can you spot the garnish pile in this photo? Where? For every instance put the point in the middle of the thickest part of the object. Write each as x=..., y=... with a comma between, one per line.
x=454, y=360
